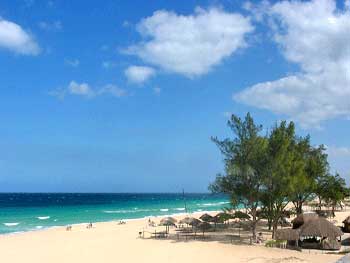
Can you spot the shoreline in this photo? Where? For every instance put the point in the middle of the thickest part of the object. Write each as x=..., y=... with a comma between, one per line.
x=109, y=242
x=108, y=221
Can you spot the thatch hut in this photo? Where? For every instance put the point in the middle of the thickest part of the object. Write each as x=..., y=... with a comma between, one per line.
x=303, y=218
x=315, y=232
x=346, y=227
x=320, y=227
x=320, y=233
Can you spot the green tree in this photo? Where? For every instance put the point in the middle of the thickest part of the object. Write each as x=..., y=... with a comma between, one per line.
x=309, y=165
x=279, y=170
x=333, y=190
x=244, y=167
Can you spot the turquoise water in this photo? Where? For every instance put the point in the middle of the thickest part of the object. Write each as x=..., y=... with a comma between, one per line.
x=26, y=212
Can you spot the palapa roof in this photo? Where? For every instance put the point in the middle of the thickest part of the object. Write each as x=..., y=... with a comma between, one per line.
x=319, y=227
x=166, y=221
x=222, y=217
x=190, y=221
x=206, y=217
x=287, y=234
x=303, y=218
x=241, y=215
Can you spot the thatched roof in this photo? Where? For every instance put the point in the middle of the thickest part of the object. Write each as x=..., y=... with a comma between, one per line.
x=303, y=218
x=241, y=215
x=347, y=220
x=222, y=217
x=190, y=221
x=168, y=221
x=206, y=217
x=287, y=234
x=320, y=227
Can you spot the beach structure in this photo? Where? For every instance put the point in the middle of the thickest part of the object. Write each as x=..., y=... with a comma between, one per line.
x=316, y=232
x=303, y=218
x=206, y=218
x=346, y=225
x=241, y=215
x=167, y=222
x=190, y=221
x=222, y=217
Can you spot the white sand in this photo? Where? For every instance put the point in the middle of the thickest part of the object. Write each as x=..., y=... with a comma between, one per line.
x=110, y=242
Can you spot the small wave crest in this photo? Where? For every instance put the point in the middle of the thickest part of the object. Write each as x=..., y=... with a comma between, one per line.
x=43, y=217
x=164, y=210
x=125, y=211
x=180, y=209
x=214, y=204
x=11, y=224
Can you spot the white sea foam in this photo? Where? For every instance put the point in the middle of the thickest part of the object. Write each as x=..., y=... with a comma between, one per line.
x=164, y=209
x=43, y=217
x=214, y=204
x=11, y=224
x=125, y=211
x=180, y=209
x=39, y=227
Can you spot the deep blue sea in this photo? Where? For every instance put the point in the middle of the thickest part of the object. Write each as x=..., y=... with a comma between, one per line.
x=24, y=211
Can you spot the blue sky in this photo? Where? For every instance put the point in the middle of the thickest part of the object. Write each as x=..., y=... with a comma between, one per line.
x=123, y=96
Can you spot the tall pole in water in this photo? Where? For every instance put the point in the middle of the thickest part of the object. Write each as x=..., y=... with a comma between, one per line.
x=183, y=195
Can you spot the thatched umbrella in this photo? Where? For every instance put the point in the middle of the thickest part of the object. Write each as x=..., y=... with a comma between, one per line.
x=168, y=221
x=203, y=226
x=320, y=227
x=241, y=215
x=190, y=221
x=303, y=218
x=223, y=217
x=206, y=218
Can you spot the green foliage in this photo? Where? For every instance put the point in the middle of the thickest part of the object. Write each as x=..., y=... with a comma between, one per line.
x=332, y=189
x=272, y=170
x=244, y=167
x=274, y=243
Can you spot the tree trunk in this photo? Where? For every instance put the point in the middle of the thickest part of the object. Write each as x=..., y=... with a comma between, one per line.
x=269, y=222
x=274, y=228
x=254, y=222
x=320, y=203
x=298, y=207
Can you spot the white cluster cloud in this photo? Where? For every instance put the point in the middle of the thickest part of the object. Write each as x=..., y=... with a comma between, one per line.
x=82, y=89
x=85, y=90
x=72, y=62
x=315, y=36
x=190, y=44
x=139, y=74
x=14, y=38
x=51, y=26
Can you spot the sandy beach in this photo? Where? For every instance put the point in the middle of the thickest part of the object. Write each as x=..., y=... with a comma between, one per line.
x=110, y=242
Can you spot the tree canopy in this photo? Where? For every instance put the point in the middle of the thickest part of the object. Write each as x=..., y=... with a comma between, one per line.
x=266, y=172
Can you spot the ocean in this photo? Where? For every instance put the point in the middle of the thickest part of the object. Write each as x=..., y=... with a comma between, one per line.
x=28, y=211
